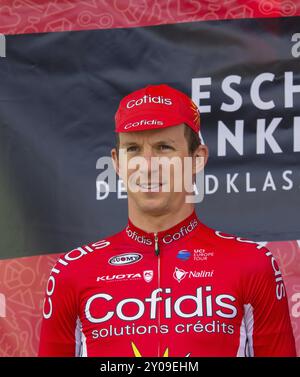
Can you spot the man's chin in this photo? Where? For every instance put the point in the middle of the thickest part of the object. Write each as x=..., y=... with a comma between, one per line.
x=153, y=207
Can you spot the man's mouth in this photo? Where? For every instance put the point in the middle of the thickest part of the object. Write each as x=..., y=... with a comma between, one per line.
x=150, y=186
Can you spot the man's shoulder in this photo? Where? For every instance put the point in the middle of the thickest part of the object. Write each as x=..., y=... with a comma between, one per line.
x=238, y=245
x=84, y=254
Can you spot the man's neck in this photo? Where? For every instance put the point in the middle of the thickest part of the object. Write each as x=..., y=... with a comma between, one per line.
x=153, y=223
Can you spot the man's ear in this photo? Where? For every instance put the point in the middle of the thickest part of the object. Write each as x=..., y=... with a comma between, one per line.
x=115, y=160
x=200, y=156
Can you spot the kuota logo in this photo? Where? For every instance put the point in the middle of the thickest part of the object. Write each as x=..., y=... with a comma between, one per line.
x=146, y=275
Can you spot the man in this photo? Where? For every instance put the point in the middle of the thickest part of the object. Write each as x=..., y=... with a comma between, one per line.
x=166, y=285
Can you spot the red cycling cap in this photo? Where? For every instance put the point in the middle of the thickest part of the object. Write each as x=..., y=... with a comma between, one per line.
x=156, y=106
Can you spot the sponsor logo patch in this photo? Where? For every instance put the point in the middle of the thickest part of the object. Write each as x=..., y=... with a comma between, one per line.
x=179, y=274
x=202, y=254
x=147, y=275
x=126, y=258
x=183, y=255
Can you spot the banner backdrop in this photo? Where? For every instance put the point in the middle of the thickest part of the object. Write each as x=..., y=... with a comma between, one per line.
x=58, y=95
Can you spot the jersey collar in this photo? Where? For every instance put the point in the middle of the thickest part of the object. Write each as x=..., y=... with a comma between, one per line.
x=166, y=237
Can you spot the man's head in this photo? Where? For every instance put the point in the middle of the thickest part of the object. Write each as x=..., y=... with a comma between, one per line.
x=192, y=138
x=158, y=148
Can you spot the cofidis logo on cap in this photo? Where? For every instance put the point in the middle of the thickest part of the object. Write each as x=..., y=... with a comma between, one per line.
x=148, y=99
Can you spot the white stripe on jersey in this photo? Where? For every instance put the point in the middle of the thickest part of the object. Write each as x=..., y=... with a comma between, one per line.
x=246, y=333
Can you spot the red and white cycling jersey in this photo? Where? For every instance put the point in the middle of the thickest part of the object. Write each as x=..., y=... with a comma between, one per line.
x=187, y=291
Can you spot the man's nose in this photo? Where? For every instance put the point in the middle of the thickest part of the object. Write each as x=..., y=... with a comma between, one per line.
x=149, y=165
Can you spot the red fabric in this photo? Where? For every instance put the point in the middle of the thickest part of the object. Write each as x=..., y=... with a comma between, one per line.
x=156, y=106
x=204, y=294
x=36, y=16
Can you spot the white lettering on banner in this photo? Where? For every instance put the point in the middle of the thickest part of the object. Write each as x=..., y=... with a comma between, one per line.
x=248, y=185
x=227, y=89
x=148, y=99
x=237, y=182
x=290, y=89
x=71, y=256
x=265, y=135
x=2, y=306
x=297, y=134
x=233, y=87
x=258, y=85
x=198, y=95
x=236, y=139
x=230, y=183
x=206, y=305
x=255, y=90
x=296, y=47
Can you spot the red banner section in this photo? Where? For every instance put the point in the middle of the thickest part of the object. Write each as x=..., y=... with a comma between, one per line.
x=23, y=282
x=35, y=16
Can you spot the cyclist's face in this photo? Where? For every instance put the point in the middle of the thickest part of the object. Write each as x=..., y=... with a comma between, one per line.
x=151, y=164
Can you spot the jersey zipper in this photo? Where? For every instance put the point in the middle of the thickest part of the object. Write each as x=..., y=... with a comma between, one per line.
x=157, y=252
x=156, y=247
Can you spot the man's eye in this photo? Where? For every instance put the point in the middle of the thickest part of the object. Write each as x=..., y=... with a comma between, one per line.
x=132, y=149
x=165, y=147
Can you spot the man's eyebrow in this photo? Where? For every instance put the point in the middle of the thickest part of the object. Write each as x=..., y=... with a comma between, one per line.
x=128, y=143
x=165, y=141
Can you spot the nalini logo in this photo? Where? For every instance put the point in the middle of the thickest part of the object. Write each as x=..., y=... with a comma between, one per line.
x=183, y=255
x=148, y=275
x=179, y=274
x=126, y=258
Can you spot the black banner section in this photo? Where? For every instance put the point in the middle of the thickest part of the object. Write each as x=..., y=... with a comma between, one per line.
x=58, y=96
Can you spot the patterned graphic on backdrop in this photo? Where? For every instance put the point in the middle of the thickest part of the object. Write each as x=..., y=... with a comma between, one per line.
x=22, y=283
x=33, y=16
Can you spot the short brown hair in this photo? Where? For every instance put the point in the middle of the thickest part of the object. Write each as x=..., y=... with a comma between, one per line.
x=191, y=136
